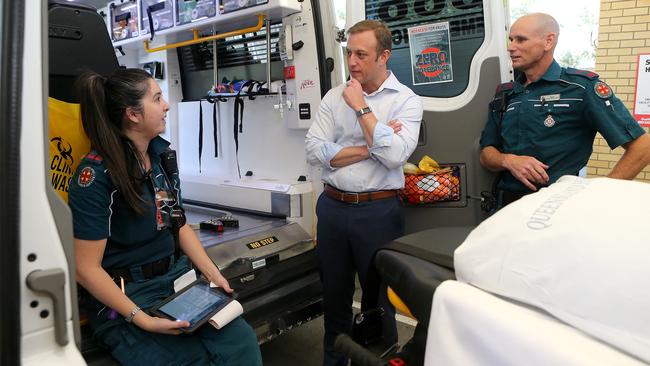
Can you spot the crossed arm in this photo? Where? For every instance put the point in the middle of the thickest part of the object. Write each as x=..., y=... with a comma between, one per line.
x=353, y=154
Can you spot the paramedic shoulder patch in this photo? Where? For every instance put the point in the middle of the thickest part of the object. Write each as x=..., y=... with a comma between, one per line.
x=602, y=90
x=262, y=242
x=86, y=177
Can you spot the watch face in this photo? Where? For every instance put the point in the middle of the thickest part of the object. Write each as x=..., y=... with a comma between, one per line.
x=363, y=111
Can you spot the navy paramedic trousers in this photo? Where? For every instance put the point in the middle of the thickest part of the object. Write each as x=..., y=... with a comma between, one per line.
x=348, y=236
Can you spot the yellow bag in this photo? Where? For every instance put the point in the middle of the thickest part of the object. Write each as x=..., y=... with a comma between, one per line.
x=68, y=143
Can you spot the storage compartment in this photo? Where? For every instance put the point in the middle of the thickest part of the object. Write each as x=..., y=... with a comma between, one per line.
x=194, y=10
x=443, y=185
x=228, y=6
x=156, y=13
x=124, y=20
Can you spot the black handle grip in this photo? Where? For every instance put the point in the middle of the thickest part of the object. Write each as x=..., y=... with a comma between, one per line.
x=359, y=355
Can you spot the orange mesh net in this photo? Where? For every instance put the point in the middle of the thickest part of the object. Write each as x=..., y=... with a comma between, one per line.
x=441, y=186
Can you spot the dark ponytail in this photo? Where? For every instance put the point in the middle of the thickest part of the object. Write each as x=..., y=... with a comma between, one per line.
x=103, y=104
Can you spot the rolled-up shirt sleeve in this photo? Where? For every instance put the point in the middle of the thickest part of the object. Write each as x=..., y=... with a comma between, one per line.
x=320, y=145
x=390, y=149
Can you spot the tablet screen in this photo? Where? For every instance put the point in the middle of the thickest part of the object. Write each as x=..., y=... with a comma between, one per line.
x=195, y=303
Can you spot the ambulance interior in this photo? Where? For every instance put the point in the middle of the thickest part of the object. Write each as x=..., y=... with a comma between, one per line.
x=241, y=158
x=256, y=185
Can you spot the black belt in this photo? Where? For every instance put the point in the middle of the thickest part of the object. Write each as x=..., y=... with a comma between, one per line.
x=149, y=270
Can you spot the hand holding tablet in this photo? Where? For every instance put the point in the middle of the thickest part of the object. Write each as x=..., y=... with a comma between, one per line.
x=196, y=304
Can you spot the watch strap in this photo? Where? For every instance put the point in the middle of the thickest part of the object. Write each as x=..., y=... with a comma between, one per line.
x=362, y=111
x=131, y=315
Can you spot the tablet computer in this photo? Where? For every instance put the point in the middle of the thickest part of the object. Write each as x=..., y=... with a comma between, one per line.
x=195, y=303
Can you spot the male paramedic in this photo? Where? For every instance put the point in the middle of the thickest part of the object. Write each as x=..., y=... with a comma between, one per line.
x=542, y=125
x=363, y=133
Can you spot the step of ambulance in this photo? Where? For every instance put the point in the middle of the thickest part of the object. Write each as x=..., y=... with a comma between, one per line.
x=414, y=265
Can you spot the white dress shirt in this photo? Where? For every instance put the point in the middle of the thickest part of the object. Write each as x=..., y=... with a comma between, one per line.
x=336, y=126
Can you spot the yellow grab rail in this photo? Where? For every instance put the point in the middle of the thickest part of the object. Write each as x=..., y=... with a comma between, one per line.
x=260, y=24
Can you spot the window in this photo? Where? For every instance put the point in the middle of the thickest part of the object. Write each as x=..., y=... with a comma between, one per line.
x=466, y=34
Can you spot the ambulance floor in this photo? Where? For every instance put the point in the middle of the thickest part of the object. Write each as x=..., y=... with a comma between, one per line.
x=289, y=349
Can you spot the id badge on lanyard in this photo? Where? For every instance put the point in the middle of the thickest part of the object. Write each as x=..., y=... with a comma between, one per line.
x=164, y=199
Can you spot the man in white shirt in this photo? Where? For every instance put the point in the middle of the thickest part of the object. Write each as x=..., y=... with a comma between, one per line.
x=363, y=133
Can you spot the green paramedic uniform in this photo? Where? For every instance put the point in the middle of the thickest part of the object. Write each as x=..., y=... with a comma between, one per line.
x=555, y=120
x=134, y=241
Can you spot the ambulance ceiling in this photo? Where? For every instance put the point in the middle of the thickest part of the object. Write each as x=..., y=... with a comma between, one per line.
x=97, y=4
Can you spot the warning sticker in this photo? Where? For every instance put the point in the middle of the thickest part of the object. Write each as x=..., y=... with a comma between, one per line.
x=430, y=53
x=262, y=242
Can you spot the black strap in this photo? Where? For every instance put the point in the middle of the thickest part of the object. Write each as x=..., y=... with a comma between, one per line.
x=499, y=104
x=238, y=121
x=200, y=133
x=214, y=129
x=150, y=9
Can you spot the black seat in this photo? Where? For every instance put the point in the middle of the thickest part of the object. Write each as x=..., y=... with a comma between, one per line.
x=78, y=42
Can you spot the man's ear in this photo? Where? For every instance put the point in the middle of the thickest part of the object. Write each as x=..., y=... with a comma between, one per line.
x=132, y=115
x=384, y=56
x=551, y=39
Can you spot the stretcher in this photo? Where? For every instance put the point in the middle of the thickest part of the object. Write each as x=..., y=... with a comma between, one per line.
x=413, y=266
x=472, y=327
x=459, y=324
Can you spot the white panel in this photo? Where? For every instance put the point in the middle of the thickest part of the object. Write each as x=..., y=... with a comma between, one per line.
x=39, y=349
x=38, y=233
x=305, y=88
x=266, y=146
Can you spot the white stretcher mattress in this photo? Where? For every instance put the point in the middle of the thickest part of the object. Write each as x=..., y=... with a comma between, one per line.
x=469, y=326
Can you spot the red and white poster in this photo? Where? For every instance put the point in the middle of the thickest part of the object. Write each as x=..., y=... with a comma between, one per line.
x=430, y=53
x=642, y=92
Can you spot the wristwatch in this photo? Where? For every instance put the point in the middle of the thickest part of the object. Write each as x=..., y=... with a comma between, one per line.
x=129, y=318
x=363, y=111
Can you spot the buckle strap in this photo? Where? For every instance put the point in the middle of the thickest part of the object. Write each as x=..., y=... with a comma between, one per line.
x=357, y=197
x=147, y=271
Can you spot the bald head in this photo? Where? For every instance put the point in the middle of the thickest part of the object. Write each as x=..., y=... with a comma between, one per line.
x=533, y=38
x=541, y=24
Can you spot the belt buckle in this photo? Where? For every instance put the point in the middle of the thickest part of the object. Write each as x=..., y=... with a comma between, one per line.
x=356, y=195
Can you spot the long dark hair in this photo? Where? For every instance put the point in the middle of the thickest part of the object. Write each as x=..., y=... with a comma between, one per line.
x=103, y=104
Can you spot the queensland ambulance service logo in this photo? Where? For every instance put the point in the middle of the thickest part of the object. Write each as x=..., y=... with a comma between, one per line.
x=430, y=53
x=603, y=90
x=61, y=162
x=86, y=177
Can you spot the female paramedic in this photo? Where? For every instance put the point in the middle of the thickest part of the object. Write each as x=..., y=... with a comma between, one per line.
x=126, y=207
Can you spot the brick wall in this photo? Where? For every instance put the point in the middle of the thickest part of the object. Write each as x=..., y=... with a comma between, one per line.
x=624, y=33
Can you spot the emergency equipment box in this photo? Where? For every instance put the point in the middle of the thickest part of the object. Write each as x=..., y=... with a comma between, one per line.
x=124, y=19
x=156, y=13
x=194, y=10
x=227, y=6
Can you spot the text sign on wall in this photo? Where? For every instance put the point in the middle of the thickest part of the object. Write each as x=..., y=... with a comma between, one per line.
x=642, y=92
